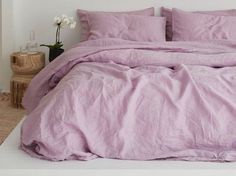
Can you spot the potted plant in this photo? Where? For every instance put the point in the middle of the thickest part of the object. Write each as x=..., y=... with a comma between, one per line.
x=60, y=22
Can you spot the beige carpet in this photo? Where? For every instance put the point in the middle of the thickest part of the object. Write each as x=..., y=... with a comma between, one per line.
x=9, y=117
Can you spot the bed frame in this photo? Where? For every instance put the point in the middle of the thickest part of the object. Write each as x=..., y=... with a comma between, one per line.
x=14, y=162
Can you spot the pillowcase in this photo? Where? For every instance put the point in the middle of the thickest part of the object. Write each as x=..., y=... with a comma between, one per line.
x=127, y=27
x=165, y=12
x=189, y=26
x=83, y=14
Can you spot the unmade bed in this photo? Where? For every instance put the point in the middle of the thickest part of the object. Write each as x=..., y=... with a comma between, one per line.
x=126, y=93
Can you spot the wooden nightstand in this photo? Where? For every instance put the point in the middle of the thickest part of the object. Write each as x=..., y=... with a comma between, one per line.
x=24, y=67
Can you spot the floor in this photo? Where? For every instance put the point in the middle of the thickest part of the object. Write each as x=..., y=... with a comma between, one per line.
x=9, y=116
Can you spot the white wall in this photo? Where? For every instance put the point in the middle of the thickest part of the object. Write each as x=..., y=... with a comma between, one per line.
x=37, y=15
x=1, y=71
x=7, y=41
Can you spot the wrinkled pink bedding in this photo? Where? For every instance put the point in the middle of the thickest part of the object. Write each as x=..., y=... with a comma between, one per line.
x=134, y=101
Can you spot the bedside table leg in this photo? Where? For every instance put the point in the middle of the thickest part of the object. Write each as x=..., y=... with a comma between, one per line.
x=18, y=88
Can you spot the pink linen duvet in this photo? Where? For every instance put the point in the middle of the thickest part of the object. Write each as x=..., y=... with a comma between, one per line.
x=134, y=101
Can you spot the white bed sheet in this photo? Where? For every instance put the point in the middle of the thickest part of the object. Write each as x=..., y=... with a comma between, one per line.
x=11, y=157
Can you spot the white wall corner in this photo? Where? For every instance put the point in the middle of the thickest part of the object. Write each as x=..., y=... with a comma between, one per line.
x=7, y=41
x=1, y=71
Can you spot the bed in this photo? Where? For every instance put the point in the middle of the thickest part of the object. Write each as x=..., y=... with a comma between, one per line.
x=125, y=93
x=176, y=101
x=120, y=88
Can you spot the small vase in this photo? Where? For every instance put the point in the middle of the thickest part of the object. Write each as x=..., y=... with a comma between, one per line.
x=55, y=52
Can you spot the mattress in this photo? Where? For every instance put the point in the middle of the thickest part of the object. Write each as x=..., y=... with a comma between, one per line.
x=10, y=154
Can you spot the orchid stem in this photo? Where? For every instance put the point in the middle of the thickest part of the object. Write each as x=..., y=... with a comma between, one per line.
x=58, y=34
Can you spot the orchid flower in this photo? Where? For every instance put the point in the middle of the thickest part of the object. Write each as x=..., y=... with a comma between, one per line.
x=61, y=22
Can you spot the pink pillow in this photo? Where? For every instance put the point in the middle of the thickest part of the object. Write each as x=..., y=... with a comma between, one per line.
x=189, y=26
x=84, y=20
x=165, y=12
x=127, y=27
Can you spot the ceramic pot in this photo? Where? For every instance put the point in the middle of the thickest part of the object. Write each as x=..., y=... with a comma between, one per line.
x=55, y=52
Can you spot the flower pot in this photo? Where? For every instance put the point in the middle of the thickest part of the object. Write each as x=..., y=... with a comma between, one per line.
x=55, y=52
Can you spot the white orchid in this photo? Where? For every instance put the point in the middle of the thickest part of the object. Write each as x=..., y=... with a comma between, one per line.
x=72, y=25
x=64, y=20
x=61, y=22
x=57, y=20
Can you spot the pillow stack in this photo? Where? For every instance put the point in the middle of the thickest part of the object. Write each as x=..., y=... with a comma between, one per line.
x=173, y=25
x=199, y=26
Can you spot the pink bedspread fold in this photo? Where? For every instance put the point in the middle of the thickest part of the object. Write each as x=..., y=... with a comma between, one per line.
x=138, y=101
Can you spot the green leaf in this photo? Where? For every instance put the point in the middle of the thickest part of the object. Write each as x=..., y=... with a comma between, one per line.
x=57, y=45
